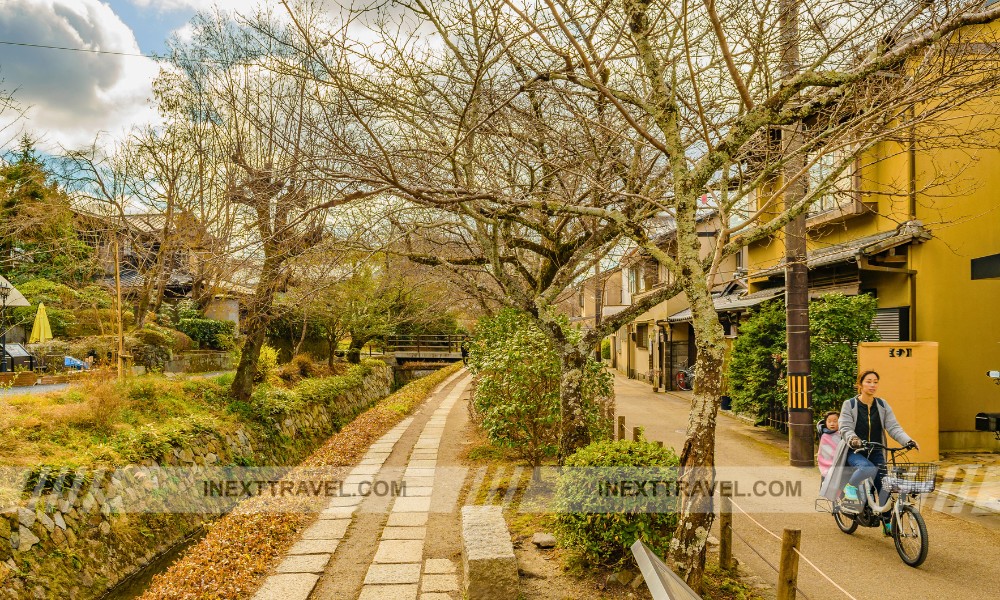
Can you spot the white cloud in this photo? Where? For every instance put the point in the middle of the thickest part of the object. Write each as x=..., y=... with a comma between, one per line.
x=71, y=96
x=196, y=5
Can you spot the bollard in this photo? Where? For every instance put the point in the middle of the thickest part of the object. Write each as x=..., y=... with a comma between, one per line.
x=788, y=570
x=636, y=434
x=621, y=428
x=726, y=532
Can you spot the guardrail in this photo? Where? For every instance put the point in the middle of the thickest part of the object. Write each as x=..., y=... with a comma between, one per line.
x=425, y=343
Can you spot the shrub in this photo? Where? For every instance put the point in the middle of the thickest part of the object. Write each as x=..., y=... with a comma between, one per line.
x=756, y=364
x=302, y=366
x=606, y=349
x=837, y=323
x=207, y=332
x=597, y=525
x=517, y=393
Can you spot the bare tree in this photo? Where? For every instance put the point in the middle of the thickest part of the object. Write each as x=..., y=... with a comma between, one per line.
x=261, y=114
x=537, y=135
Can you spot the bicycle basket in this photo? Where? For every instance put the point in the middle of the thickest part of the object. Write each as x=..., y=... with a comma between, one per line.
x=913, y=478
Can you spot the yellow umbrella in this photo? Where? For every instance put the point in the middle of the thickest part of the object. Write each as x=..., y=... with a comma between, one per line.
x=41, y=332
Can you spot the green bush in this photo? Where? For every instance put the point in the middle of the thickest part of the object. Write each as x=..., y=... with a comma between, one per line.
x=837, y=323
x=598, y=522
x=606, y=349
x=756, y=365
x=209, y=333
x=517, y=392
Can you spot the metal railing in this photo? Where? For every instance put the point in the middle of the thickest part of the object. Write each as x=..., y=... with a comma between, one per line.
x=425, y=343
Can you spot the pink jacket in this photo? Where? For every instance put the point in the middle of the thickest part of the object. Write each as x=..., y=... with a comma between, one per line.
x=827, y=450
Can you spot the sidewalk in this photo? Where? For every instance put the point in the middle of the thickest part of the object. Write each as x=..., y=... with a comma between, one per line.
x=376, y=547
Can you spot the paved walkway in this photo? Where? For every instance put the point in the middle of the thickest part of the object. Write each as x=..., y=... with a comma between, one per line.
x=400, y=569
x=964, y=542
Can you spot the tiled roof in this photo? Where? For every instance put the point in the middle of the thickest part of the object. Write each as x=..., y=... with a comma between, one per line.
x=854, y=249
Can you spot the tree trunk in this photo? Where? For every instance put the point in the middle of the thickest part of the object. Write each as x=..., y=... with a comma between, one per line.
x=354, y=350
x=256, y=330
x=331, y=343
x=573, y=431
x=697, y=459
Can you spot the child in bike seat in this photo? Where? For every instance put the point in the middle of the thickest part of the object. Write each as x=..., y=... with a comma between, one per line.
x=829, y=439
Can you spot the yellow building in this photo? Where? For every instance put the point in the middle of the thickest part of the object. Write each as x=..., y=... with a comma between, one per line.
x=918, y=227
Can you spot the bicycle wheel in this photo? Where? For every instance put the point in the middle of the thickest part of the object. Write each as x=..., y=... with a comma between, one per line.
x=910, y=536
x=846, y=523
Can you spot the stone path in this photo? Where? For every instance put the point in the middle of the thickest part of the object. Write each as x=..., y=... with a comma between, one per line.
x=398, y=569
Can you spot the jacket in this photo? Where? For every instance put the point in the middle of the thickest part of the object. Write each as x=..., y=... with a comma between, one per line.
x=838, y=475
x=890, y=426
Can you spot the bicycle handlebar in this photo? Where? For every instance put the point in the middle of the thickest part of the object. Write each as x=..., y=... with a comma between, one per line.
x=866, y=444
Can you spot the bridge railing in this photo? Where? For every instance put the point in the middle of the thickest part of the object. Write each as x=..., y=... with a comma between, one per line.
x=424, y=343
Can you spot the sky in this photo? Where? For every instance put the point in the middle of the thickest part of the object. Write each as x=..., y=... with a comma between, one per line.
x=70, y=97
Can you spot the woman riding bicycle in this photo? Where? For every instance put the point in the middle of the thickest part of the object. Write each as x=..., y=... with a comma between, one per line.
x=866, y=418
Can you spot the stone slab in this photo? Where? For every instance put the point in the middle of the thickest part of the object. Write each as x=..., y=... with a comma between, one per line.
x=418, y=481
x=439, y=583
x=399, y=551
x=404, y=519
x=314, y=547
x=419, y=472
x=392, y=574
x=411, y=504
x=418, y=492
x=345, y=500
x=439, y=565
x=436, y=596
x=488, y=560
x=296, y=586
x=365, y=470
x=338, y=512
x=327, y=529
x=305, y=563
x=389, y=592
x=421, y=463
x=404, y=533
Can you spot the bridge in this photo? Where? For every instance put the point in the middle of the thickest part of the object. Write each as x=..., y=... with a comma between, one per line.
x=425, y=348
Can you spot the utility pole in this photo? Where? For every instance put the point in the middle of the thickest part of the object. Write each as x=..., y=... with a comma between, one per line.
x=800, y=417
x=598, y=304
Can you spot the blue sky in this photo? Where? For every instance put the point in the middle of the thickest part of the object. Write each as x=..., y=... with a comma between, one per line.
x=150, y=25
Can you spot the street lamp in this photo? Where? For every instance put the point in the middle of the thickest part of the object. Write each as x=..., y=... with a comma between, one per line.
x=5, y=291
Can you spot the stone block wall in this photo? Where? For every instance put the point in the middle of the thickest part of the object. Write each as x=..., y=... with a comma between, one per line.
x=81, y=536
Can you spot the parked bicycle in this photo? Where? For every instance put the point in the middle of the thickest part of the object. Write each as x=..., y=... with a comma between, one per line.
x=904, y=482
x=684, y=379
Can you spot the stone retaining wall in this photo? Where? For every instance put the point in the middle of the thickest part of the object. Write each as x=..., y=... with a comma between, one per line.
x=79, y=541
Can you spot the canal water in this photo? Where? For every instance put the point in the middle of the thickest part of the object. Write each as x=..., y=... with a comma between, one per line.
x=135, y=585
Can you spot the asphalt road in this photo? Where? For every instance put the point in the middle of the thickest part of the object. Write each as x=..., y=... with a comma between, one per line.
x=964, y=548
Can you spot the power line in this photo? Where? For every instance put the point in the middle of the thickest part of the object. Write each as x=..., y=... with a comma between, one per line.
x=151, y=56
x=111, y=52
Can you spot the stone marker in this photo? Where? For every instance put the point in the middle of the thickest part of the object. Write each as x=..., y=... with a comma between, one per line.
x=488, y=559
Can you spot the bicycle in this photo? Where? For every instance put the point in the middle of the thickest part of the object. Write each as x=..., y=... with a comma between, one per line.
x=684, y=378
x=905, y=482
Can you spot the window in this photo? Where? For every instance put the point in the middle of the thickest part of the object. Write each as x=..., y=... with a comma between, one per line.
x=839, y=187
x=641, y=335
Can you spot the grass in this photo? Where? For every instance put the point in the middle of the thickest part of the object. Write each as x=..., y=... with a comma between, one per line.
x=108, y=422
x=111, y=423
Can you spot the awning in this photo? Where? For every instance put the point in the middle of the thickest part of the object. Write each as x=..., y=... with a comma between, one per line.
x=852, y=251
x=732, y=303
x=15, y=298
